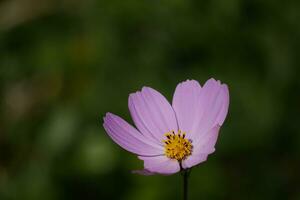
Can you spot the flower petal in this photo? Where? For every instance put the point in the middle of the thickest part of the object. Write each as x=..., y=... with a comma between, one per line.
x=144, y=172
x=152, y=113
x=194, y=160
x=224, y=110
x=160, y=164
x=186, y=104
x=214, y=102
x=202, y=148
x=128, y=137
x=207, y=143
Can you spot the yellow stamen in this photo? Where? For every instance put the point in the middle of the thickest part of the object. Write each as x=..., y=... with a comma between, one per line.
x=177, y=146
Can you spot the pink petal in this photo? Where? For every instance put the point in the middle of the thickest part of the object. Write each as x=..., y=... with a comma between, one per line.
x=207, y=143
x=194, y=160
x=152, y=113
x=144, y=172
x=202, y=148
x=160, y=165
x=223, y=113
x=186, y=104
x=214, y=102
x=128, y=137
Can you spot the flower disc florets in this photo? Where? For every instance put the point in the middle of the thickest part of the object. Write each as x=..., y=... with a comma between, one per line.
x=177, y=146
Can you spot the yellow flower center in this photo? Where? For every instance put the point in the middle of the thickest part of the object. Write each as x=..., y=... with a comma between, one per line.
x=177, y=146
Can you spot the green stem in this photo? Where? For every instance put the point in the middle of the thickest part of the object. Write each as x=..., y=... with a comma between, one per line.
x=185, y=184
x=185, y=174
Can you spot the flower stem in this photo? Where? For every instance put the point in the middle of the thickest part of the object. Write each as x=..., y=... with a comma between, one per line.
x=185, y=184
x=185, y=174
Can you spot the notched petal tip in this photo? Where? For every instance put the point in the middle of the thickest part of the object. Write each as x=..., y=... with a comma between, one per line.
x=104, y=118
x=149, y=89
x=189, y=82
x=108, y=114
x=213, y=80
x=107, y=117
x=131, y=95
x=141, y=90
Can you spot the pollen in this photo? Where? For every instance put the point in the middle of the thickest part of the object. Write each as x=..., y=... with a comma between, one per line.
x=177, y=146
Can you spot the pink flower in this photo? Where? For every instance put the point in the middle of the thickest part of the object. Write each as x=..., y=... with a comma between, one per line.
x=168, y=137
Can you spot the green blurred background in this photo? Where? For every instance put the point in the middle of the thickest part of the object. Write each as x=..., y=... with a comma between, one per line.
x=63, y=64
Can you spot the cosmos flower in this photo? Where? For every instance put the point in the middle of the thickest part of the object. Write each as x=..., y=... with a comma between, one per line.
x=170, y=138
